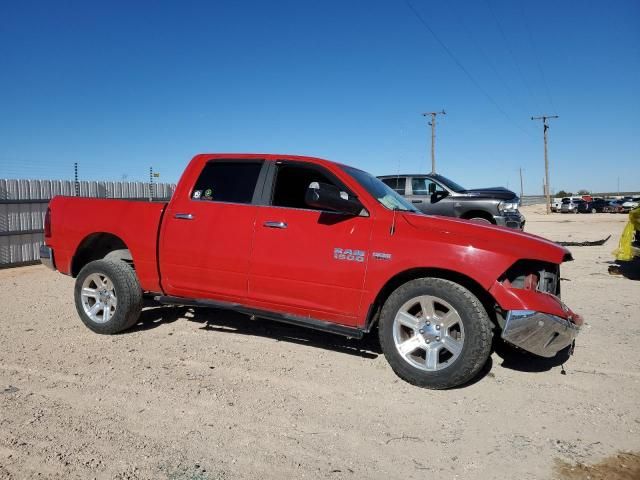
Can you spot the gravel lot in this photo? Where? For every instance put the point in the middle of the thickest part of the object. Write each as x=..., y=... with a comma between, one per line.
x=212, y=395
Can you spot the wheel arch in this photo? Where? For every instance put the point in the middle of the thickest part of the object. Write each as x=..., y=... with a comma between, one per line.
x=99, y=245
x=401, y=278
x=478, y=214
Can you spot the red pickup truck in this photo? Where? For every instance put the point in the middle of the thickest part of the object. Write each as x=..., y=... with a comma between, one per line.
x=317, y=244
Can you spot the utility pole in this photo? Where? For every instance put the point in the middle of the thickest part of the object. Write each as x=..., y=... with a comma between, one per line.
x=152, y=175
x=76, y=183
x=150, y=184
x=521, y=188
x=544, y=119
x=433, y=136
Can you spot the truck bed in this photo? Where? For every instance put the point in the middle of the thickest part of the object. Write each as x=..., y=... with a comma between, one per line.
x=135, y=222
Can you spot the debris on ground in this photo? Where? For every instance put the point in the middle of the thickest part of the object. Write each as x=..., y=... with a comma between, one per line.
x=592, y=243
x=623, y=466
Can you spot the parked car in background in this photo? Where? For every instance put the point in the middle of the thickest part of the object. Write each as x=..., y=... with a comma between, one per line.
x=556, y=204
x=594, y=206
x=435, y=194
x=570, y=204
x=630, y=203
x=613, y=206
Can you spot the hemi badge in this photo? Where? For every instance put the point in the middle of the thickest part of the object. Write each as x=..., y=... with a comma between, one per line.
x=381, y=256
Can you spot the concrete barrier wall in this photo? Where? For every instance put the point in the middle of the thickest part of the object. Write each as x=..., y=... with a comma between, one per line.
x=23, y=204
x=532, y=200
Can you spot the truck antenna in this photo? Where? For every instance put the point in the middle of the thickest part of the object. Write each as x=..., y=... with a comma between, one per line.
x=393, y=222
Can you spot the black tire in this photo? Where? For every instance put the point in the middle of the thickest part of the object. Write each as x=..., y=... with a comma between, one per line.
x=476, y=346
x=126, y=289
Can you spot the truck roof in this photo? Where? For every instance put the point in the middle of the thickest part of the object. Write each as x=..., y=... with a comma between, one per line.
x=262, y=156
x=432, y=175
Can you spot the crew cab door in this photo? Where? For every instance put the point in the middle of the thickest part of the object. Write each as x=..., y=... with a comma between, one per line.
x=207, y=233
x=420, y=197
x=305, y=261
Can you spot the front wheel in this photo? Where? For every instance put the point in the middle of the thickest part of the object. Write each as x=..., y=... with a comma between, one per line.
x=435, y=333
x=108, y=296
x=481, y=220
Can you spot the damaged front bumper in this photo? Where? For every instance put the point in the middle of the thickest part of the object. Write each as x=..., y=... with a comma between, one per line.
x=510, y=219
x=539, y=333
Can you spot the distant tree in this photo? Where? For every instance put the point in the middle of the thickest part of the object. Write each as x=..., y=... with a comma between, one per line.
x=562, y=193
x=583, y=192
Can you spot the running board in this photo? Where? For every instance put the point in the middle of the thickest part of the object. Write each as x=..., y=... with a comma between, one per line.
x=308, y=322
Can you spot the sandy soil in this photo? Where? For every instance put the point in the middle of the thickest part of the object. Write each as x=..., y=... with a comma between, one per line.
x=210, y=395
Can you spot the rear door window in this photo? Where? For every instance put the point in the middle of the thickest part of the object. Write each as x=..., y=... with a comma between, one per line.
x=398, y=184
x=232, y=181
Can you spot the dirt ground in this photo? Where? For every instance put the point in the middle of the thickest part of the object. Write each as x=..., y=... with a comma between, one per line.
x=212, y=395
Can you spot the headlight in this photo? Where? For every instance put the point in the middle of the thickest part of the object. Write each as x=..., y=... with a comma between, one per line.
x=508, y=206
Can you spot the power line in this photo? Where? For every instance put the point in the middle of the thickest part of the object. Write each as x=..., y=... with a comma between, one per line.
x=486, y=57
x=536, y=56
x=462, y=67
x=513, y=57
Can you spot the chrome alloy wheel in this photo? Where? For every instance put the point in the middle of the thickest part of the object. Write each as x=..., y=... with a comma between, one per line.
x=99, y=298
x=428, y=333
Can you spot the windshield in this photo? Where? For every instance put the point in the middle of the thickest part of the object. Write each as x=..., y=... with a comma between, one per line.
x=450, y=184
x=380, y=191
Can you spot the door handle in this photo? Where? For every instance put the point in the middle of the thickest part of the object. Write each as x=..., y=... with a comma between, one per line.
x=416, y=201
x=184, y=216
x=275, y=224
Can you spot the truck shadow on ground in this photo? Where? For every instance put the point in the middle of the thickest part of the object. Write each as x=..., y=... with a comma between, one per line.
x=521, y=361
x=228, y=322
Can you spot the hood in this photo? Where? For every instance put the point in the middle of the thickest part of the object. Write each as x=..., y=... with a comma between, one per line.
x=490, y=237
x=491, y=192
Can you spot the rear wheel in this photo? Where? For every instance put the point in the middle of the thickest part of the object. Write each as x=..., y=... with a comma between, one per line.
x=435, y=333
x=108, y=296
x=593, y=210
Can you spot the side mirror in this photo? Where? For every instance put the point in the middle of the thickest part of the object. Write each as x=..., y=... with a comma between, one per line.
x=328, y=197
x=437, y=195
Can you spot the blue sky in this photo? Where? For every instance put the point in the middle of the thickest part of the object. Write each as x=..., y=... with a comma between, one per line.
x=119, y=86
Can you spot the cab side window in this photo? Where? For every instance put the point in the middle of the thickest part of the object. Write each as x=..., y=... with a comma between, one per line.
x=420, y=186
x=227, y=181
x=291, y=184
